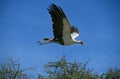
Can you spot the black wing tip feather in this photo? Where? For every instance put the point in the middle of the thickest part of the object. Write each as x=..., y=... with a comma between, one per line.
x=74, y=29
x=52, y=6
x=55, y=9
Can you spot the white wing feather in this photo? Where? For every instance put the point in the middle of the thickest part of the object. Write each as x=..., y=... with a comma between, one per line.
x=74, y=35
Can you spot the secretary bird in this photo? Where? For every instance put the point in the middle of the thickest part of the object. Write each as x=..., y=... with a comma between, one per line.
x=64, y=33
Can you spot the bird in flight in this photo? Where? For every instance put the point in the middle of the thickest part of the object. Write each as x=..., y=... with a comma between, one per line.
x=64, y=33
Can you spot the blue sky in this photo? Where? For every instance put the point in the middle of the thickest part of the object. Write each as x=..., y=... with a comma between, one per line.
x=24, y=22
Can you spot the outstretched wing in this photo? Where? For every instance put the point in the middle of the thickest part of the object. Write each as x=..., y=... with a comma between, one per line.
x=74, y=32
x=61, y=25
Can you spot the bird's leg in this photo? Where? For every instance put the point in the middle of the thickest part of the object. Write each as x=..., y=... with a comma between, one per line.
x=45, y=41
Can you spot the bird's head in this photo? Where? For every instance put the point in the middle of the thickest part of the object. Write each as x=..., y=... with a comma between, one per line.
x=81, y=42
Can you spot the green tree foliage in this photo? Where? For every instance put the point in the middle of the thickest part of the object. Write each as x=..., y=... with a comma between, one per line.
x=63, y=69
x=11, y=70
x=111, y=74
